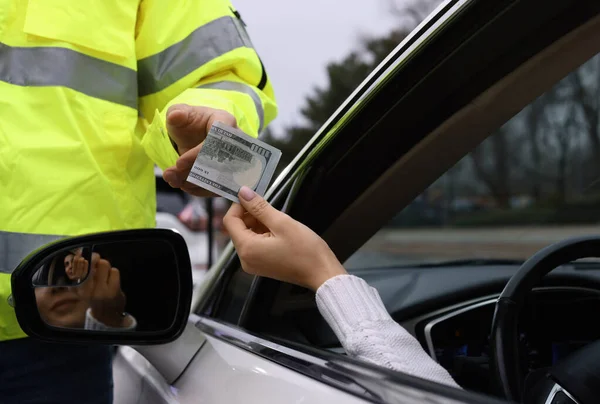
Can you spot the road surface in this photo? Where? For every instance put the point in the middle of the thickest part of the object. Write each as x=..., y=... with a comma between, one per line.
x=392, y=247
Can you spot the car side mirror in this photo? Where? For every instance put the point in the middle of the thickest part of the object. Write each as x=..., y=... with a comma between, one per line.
x=130, y=287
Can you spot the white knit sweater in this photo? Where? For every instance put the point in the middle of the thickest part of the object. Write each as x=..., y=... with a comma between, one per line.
x=355, y=312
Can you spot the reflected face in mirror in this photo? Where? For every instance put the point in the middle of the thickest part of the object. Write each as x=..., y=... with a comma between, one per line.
x=64, y=306
x=121, y=287
x=98, y=300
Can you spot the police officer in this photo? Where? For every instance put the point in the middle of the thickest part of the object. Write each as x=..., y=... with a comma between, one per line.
x=92, y=95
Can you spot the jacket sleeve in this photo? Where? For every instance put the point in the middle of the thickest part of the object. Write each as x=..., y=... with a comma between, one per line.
x=359, y=319
x=198, y=53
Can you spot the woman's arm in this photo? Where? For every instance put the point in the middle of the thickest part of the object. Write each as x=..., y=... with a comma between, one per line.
x=355, y=312
x=129, y=323
x=272, y=244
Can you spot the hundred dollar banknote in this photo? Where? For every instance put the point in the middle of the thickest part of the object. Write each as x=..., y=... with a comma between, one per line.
x=229, y=159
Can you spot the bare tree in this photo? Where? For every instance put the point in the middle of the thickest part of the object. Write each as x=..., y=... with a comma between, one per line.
x=491, y=161
x=585, y=84
x=537, y=125
x=536, y=121
x=565, y=133
x=410, y=13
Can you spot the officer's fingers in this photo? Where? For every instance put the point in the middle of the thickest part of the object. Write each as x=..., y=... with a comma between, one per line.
x=178, y=116
x=176, y=179
x=221, y=116
x=188, y=125
x=183, y=119
x=186, y=161
x=197, y=191
x=173, y=177
x=176, y=176
x=185, y=125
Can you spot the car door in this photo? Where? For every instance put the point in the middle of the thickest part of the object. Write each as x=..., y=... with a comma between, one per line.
x=258, y=340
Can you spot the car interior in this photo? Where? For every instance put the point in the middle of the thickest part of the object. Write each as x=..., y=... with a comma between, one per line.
x=448, y=306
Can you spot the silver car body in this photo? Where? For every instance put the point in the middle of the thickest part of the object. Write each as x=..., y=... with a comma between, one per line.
x=213, y=362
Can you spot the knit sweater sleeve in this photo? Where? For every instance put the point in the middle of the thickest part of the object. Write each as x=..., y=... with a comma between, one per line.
x=355, y=312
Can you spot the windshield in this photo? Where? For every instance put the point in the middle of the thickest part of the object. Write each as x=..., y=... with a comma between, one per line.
x=531, y=183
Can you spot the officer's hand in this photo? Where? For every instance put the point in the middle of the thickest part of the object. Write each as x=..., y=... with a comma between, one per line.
x=272, y=244
x=108, y=300
x=188, y=127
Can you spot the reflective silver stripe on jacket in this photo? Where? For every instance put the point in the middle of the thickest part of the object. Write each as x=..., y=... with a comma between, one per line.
x=16, y=246
x=54, y=66
x=241, y=88
x=208, y=42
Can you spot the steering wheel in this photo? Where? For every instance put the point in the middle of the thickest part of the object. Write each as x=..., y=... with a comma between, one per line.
x=574, y=380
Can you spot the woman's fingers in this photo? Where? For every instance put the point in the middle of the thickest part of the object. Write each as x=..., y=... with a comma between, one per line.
x=114, y=281
x=76, y=266
x=79, y=267
x=95, y=259
x=102, y=273
x=261, y=210
x=234, y=222
x=253, y=224
x=86, y=265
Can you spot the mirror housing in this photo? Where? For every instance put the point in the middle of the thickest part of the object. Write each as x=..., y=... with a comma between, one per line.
x=132, y=287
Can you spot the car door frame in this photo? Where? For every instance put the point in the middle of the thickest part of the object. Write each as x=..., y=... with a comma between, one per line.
x=357, y=120
x=419, y=65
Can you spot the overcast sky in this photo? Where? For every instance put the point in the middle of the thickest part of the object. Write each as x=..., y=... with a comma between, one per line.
x=297, y=38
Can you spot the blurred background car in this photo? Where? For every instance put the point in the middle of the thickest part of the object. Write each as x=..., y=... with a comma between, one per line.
x=198, y=220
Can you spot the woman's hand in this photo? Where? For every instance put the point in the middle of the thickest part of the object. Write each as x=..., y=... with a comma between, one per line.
x=78, y=268
x=272, y=244
x=107, y=300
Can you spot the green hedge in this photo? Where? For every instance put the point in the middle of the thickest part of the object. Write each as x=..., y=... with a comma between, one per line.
x=549, y=212
x=575, y=213
x=513, y=217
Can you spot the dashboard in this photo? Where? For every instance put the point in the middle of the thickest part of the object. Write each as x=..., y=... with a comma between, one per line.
x=450, y=311
x=554, y=323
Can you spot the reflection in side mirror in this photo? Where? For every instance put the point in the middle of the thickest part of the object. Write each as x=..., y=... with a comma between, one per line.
x=116, y=287
x=67, y=267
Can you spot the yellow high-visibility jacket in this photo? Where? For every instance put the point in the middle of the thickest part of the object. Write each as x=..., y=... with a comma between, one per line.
x=84, y=88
